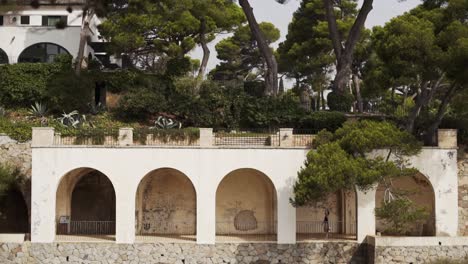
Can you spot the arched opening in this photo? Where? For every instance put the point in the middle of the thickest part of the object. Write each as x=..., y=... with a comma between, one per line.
x=246, y=207
x=334, y=217
x=166, y=207
x=419, y=190
x=85, y=204
x=3, y=57
x=13, y=213
x=41, y=52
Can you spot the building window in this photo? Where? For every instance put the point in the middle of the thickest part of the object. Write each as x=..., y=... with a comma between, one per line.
x=24, y=20
x=54, y=21
x=1, y=20
x=41, y=52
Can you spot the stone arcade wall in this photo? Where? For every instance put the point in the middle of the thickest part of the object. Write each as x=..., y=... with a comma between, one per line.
x=83, y=253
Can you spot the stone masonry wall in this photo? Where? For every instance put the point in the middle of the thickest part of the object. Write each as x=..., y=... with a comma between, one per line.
x=418, y=255
x=463, y=196
x=16, y=154
x=184, y=253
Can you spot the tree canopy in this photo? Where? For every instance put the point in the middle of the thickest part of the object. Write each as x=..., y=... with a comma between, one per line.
x=344, y=159
x=239, y=55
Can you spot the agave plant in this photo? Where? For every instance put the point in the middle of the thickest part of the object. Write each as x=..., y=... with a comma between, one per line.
x=71, y=119
x=38, y=109
x=166, y=123
x=95, y=109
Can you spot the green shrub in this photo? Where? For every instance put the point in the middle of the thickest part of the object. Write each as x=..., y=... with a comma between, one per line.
x=166, y=135
x=66, y=92
x=23, y=84
x=340, y=102
x=401, y=214
x=19, y=131
x=141, y=104
x=330, y=121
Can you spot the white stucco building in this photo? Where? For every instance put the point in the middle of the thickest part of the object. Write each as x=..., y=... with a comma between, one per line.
x=39, y=34
x=206, y=191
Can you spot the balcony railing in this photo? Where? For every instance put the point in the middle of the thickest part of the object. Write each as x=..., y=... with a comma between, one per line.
x=255, y=137
x=168, y=229
x=86, y=228
x=187, y=137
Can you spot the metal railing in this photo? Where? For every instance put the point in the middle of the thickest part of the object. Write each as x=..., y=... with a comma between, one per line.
x=86, y=228
x=254, y=137
x=304, y=137
x=91, y=136
x=167, y=229
x=166, y=137
x=307, y=230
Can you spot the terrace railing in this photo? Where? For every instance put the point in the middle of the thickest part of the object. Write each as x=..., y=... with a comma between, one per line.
x=187, y=137
x=86, y=228
x=168, y=229
x=90, y=136
x=256, y=137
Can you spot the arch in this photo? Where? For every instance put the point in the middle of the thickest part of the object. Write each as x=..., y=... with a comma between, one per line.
x=341, y=208
x=41, y=52
x=85, y=203
x=166, y=205
x=418, y=189
x=3, y=57
x=246, y=206
x=13, y=213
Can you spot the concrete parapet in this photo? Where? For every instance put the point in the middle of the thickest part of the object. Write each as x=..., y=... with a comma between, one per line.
x=42, y=136
x=447, y=138
x=206, y=137
x=125, y=136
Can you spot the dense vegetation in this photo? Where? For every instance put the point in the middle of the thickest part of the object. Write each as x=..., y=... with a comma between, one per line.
x=412, y=72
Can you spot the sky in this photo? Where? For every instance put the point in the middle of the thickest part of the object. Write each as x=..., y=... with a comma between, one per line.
x=281, y=15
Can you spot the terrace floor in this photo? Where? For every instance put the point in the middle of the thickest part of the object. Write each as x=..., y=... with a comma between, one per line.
x=192, y=238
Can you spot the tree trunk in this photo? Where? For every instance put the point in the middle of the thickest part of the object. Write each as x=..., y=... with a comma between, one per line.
x=344, y=55
x=87, y=15
x=206, y=55
x=423, y=98
x=357, y=87
x=429, y=137
x=271, y=75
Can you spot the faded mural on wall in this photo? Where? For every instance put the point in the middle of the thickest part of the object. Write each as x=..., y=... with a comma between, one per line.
x=166, y=204
x=246, y=204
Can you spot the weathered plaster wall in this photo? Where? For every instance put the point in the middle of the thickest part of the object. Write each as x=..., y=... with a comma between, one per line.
x=439, y=166
x=420, y=191
x=85, y=195
x=166, y=203
x=342, y=218
x=463, y=196
x=127, y=166
x=245, y=204
x=258, y=253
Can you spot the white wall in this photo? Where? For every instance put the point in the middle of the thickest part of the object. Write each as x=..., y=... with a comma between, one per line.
x=206, y=167
x=125, y=167
x=14, y=37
